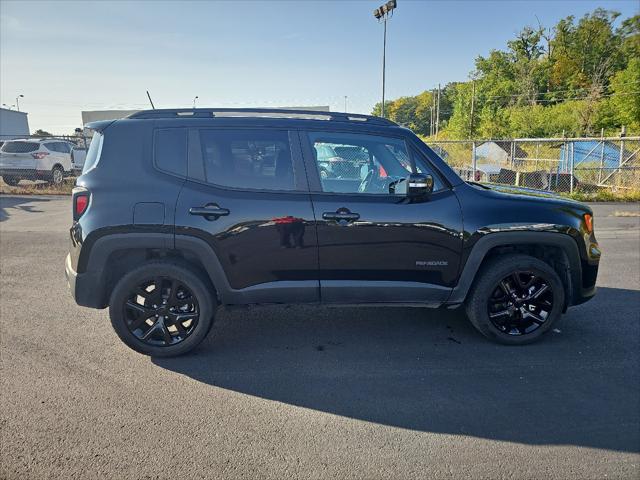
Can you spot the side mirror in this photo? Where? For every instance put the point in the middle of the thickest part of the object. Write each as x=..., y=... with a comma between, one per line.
x=419, y=186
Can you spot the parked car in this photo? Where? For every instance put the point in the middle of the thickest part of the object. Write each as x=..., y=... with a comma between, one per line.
x=35, y=159
x=78, y=155
x=178, y=212
x=340, y=161
x=483, y=173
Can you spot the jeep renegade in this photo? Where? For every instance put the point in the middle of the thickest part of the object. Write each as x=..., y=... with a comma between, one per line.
x=180, y=211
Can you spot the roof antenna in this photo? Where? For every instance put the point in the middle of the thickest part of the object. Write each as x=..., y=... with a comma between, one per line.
x=150, y=101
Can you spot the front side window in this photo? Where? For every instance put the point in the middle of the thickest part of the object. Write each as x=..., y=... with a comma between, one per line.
x=356, y=163
x=253, y=159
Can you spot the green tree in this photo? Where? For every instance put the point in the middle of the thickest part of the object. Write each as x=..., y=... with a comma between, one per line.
x=625, y=97
x=41, y=133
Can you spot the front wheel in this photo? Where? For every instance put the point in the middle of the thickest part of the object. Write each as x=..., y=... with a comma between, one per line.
x=162, y=309
x=11, y=181
x=516, y=299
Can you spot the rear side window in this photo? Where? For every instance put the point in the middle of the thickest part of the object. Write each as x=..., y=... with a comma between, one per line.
x=93, y=154
x=171, y=150
x=20, y=147
x=64, y=147
x=253, y=159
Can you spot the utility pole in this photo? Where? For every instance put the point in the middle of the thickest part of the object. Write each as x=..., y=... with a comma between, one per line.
x=433, y=112
x=345, y=104
x=473, y=104
x=431, y=121
x=382, y=14
x=438, y=114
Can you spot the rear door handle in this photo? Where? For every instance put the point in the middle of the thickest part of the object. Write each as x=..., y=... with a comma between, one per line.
x=341, y=216
x=210, y=211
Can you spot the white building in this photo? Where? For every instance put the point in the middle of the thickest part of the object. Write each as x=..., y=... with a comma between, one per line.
x=13, y=124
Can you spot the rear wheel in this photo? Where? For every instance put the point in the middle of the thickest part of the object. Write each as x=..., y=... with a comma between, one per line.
x=516, y=299
x=162, y=309
x=10, y=180
x=57, y=175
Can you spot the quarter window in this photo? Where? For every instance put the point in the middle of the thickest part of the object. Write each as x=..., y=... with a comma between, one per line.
x=171, y=150
x=255, y=159
x=94, y=152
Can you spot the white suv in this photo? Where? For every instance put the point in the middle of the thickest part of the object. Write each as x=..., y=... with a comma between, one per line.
x=36, y=159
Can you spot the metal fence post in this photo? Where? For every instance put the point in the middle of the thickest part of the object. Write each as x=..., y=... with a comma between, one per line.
x=601, y=156
x=621, y=161
x=513, y=154
x=572, y=148
x=474, y=159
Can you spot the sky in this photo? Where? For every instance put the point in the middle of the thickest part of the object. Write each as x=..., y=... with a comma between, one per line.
x=65, y=57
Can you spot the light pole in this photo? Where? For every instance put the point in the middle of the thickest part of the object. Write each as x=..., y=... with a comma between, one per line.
x=383, y=13
x=194, y=101
x=18, y=101
x=345, y=104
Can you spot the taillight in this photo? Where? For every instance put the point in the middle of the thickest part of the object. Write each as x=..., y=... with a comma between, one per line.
x=81, y=199
x=39, y=155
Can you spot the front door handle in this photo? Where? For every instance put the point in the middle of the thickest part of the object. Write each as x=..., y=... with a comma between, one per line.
x=341, y=215
x=210, y=211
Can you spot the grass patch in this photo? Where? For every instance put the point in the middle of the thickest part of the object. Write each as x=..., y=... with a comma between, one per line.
x=605, y=196
x=33, y=188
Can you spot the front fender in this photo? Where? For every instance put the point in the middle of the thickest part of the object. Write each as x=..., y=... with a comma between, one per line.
x=488, y=240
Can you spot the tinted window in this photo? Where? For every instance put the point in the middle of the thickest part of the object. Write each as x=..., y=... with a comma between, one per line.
x=255, y=159
x=20, y=147
x=171, y=150
x=64, y=147
x=362, y=163
x=93, y=154
x=358, y=163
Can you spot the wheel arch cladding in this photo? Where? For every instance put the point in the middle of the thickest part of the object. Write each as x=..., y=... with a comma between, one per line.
x=491, y=244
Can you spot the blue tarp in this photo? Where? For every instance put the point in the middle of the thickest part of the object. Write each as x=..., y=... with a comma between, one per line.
x=591, y=151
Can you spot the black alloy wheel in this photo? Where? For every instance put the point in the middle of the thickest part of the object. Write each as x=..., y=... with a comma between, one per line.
x=520, y=303
x=161, y=311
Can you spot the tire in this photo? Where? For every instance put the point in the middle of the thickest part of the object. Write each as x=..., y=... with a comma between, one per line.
x=11, y=180
x=57, y=175
x=128, y=308
x=503, y=318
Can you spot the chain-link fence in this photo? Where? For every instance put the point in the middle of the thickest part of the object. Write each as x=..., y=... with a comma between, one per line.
x=586, y=165
x=41, y=163
x=564, y=165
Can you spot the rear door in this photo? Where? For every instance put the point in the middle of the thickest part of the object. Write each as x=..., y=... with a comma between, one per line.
x=247, y=196
x=374, y=245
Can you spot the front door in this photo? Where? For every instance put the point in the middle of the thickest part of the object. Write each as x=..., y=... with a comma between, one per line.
x=247, y=197
x=374, y=245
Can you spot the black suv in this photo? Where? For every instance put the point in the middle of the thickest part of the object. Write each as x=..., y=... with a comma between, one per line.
x=180, y=211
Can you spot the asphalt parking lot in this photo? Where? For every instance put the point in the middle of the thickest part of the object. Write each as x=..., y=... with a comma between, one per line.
x=278, y=392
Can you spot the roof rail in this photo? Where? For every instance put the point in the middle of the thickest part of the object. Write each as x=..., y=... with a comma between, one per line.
x=260, y=113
